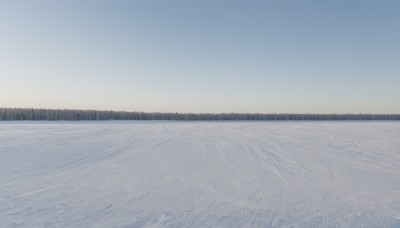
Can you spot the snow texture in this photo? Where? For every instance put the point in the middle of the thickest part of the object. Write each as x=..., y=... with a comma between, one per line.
x=199, y=174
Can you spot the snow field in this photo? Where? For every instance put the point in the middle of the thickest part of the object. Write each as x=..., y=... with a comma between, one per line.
x=199, y=174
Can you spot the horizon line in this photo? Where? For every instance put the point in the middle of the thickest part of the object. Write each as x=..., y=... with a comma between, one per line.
x=195, y=113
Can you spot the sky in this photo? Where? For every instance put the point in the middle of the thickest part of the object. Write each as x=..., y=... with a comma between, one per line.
x=201, y=56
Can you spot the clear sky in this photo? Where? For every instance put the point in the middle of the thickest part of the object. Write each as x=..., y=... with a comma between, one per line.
x=201, y=56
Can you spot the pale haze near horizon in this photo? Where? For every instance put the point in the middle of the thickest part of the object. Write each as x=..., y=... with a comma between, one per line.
x=201, y=56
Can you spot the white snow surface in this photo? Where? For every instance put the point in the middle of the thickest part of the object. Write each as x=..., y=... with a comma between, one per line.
x=199, y=174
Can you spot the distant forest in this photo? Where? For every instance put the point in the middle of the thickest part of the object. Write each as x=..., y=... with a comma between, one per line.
x=69, y=114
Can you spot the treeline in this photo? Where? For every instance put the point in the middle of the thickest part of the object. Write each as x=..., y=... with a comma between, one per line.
x=69, y=114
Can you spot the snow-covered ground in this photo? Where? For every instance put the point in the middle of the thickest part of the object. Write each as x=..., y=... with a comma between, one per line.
x=200, y=174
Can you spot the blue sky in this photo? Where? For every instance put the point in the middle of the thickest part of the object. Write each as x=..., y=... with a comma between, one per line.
x=201, y=56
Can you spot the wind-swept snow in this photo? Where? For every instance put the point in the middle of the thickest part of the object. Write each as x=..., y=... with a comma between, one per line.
x=200, y=174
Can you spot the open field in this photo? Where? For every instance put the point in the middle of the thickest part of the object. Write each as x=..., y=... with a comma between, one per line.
x=200, y=174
